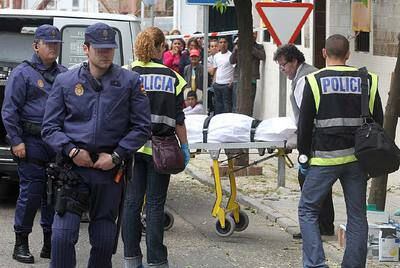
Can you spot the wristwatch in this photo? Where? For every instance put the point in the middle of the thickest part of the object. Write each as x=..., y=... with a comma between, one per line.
x=302, y=159
x=116, y=159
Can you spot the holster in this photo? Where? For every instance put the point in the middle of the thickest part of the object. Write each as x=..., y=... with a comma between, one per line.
x=71, y=200
x=62, y=191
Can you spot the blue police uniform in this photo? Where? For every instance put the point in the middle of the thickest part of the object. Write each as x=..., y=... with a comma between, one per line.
x=26, y=93
x=111, y=117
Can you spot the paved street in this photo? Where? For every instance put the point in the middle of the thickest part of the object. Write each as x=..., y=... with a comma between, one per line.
x=192, y=241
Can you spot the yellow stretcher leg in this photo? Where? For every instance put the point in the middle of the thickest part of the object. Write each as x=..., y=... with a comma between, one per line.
x=232, y=205
x=218, y=211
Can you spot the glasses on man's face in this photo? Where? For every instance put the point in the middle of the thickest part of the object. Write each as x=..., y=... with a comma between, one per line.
x=282, y=66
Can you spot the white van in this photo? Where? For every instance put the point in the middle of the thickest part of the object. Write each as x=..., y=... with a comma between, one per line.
x=17, y=28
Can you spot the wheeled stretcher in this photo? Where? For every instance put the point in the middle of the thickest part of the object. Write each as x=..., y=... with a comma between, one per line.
x=232, y=132
x=231, y=218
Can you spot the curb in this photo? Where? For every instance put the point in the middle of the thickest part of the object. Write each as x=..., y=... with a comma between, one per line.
x=288, y=224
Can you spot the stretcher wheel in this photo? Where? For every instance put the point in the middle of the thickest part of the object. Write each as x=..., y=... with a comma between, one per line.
x=168, y=220
x=243, y=221
x=229, y=227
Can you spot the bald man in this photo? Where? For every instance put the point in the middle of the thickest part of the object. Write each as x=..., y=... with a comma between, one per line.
x=329, y=116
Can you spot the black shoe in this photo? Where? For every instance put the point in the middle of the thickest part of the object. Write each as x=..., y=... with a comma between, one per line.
x=21, y=249
x=85, y=217
x=297, y=236
x=46, y=249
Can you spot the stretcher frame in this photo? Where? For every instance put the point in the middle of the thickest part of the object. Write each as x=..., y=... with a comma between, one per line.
x=231, y=218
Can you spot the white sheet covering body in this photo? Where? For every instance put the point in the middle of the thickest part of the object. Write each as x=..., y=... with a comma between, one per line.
x=230, y=127
x=277, y=129
x=194, y=127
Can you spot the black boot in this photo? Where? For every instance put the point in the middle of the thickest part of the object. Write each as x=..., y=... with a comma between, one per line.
x=21, y=249
x=46, y=249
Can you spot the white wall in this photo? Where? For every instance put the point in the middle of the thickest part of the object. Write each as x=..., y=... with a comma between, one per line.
x=338, y=21
x=187, y=18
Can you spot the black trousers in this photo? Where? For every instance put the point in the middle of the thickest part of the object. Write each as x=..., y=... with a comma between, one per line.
x=327, y=215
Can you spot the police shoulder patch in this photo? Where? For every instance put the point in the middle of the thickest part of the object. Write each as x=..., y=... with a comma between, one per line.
x=79, y=89
x=40, y=83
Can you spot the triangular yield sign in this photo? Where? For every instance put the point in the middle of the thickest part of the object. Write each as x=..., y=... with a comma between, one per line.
x=284, y=20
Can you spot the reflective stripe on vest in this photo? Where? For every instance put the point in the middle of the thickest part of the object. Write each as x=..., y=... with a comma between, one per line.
x=334, y=154
x=338, y=122
x=338, y=157
x=317, y=161
x=146, y=148
x=163, y=119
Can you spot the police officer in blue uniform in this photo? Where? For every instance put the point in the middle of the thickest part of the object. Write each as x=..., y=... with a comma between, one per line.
x=26, y=93
x=97, y=115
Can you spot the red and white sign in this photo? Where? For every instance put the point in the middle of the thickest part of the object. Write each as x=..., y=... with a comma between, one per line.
x=284, y=20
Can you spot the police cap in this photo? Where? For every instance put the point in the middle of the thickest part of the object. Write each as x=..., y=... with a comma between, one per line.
x=100, y=35
x=48, y=33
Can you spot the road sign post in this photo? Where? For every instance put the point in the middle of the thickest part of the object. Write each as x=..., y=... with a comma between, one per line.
x=284, y=22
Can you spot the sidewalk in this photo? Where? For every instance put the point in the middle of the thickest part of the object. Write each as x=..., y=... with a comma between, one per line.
x=280, y=204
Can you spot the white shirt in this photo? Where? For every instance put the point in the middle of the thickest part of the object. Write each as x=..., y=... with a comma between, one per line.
x=224, y=73
x=299, y=88
x=197, y=109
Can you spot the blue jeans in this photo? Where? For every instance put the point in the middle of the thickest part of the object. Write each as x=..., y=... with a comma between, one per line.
x=318, y=183
x=223, y=98
x=145, y=181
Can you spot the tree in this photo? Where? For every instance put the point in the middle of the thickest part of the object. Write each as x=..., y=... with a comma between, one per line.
x=377, y=194
x=244, y=16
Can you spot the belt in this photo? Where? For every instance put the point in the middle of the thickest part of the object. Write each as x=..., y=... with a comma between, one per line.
x=33, y=129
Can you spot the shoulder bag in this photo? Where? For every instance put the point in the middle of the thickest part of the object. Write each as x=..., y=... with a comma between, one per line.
x=375, y=151
x=167, y=155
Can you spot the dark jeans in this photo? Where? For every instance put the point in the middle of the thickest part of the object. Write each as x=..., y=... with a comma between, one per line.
x=327, y=214
x=235, y=91
x=223, y=98
x=145, y=181
x=318, y=183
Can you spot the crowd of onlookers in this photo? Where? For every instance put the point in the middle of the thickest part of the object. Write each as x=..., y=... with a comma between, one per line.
x=186, y=58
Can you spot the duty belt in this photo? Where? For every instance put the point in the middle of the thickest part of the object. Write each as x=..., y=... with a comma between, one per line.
x=33, y=129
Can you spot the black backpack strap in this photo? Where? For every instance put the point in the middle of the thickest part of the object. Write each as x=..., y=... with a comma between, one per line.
x=205, y=128
x=254, y=125
x=364, y=92
x=46, y=75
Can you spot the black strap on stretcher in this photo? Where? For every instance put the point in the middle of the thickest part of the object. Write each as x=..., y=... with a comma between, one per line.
x=205, y=128
x=254, y=125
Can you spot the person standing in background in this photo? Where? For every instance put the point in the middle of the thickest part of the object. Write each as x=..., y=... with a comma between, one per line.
x=223, y=71
x=258, y=54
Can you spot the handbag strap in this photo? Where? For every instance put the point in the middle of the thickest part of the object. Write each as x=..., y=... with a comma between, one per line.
x=364, y=93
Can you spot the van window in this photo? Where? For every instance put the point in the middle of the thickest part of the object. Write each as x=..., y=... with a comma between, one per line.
x=72, y=51
x=16, y=35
